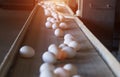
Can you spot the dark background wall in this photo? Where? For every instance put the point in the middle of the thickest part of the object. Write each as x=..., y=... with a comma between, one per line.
x=99, y=17
x=17, y=4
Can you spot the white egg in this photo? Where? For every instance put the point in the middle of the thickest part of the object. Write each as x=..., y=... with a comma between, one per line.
x=27, y=51
x=60, y=72
x=71, y=68
x=59, y=8
x=49, y=57
x=67, y=41
x=54, y=25
x=47, y=74
x=53, y=49
x=63, y=25
x=61, y=17
x=55, y=15
x=46, y=66
x=44, y=6
x=78, y=12
x=68, y=36
x=59, y=33
x=53, y=20
x=70, y=51
x=48, y=24
x=62, y=45
x=47, y=12
x=75, y=45
x=76, y=76
x=49, y=18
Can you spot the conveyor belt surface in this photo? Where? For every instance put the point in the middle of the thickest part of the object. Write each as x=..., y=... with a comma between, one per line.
x=11, y=22
x=87, y=60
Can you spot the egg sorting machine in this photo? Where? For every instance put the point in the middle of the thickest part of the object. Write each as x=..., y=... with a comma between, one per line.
x=92, y=60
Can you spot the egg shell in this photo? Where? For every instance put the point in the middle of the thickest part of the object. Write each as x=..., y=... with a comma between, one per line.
x=59, y=8
x=76, y=76
x=49, y=57
x=59, y=33
x=26, y=51
x=63, y=25
x=78, y=12
x=46, y=66
x=47, y=74
x=75, y=45
x=47, y=12
x=62, y=55
x=71, y=68
x=62, y=45
x=54, y=25
x=53, y=20
x=69, y=36
x=55, y=15
x=61, y=17
x=44, y=6
x=48, y=24
x=70, y=51
x=49, y=18
x=53, y=49
x=60, y=72
x=67, y=41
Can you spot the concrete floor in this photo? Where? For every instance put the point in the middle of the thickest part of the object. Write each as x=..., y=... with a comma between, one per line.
x=11, y=22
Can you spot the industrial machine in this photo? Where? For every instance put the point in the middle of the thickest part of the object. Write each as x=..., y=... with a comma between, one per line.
x=84, y=21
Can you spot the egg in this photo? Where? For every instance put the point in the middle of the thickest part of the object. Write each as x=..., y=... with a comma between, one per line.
x=48, y=24
x=70, y=51
x=59, y=33
x=47, y=12
x=67, y=41
x=27, y=51
x=61, y=17
x=78, y=12
x=62, y=55
x=55, y=15
x=47, y=74
x=46, y=66
x=60, y=72
x=53, y=49
x=68, y=36
x=49, y=57
x=71, y=68
x=59, y=8
x=75, y=45
x=49, y=18
x=53, y=20
x=76, y=76
x=44, y=6
x=62, y=45
x=63, y=25
x=54, y=25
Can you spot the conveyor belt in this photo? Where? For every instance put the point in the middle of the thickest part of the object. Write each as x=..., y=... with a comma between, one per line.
x=11, y=22
x=87, y=60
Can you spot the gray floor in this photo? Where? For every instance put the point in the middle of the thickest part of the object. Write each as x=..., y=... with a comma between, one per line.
x=11, y=21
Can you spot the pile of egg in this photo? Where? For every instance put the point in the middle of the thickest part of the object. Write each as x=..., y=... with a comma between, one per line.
x=61, y=52
x=49, y=70
x=55, y=20
x=65, y=50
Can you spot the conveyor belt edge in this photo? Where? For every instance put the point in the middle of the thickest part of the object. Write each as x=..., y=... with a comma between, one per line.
x=7, y=62
x=109, y=59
